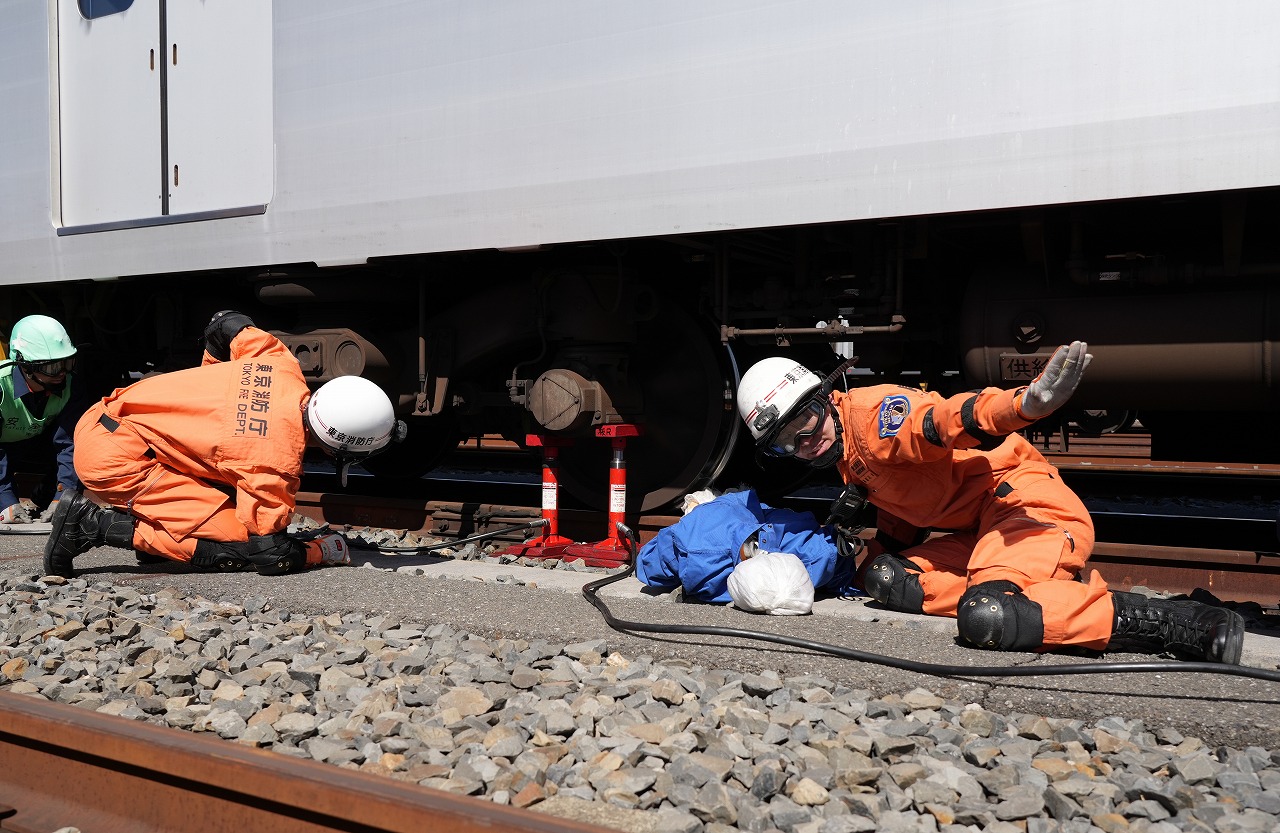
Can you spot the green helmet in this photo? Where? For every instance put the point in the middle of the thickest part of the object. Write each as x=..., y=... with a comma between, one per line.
x=40, y=343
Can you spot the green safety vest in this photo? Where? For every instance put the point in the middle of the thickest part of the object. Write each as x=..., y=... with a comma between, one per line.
x=16, y=422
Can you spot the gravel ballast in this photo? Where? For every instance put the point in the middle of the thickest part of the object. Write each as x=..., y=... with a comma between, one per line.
x=642, y=744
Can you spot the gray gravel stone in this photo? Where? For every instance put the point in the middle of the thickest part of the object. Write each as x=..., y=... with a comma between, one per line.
x=691, y=749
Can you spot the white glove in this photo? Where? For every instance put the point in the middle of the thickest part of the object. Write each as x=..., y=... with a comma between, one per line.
x=695, y=499
x=327, y=550
x=15, y=514
x=47, y=514
x=1053, y=387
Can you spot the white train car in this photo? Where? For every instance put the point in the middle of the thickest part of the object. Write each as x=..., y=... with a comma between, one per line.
x=555, y=217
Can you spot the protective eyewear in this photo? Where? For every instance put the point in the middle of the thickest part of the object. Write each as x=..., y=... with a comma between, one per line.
x=54, y=367
x=799, y=428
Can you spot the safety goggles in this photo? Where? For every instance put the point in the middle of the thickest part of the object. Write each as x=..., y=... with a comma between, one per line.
x=799, y=428
x=53, y=367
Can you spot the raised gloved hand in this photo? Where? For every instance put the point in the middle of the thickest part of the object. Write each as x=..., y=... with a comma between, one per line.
x=15, y=514
x=222, y=330
x=1053, y=387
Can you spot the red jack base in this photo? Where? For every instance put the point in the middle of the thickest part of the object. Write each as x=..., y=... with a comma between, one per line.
x=548, y=546
x=607, y=553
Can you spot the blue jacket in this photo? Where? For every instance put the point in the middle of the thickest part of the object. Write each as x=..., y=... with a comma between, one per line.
x=701, y=550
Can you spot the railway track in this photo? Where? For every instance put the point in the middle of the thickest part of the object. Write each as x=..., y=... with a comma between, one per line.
x=65, y=767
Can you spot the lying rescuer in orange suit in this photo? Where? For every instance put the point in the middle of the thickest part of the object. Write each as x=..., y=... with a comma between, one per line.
x=203, y=465
x=1010, y=570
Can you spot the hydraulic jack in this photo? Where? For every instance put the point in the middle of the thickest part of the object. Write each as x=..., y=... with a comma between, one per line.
x=612, y=551
x=550, y=544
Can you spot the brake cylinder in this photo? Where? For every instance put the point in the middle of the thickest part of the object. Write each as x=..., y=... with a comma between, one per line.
x=1183, y=351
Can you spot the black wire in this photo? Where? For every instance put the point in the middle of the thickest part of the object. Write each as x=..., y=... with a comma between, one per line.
x=936, y=669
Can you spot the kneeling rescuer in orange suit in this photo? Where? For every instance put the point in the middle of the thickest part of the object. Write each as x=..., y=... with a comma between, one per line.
x=203, y=465
x=1010, y=571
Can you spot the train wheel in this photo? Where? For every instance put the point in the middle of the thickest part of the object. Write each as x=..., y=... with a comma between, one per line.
x=689, y=421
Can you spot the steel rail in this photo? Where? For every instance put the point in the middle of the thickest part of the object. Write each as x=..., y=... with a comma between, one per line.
x=61, y=766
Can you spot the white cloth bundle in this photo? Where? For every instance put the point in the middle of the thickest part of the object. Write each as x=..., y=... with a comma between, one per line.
x=776, y=583
x=695, y=499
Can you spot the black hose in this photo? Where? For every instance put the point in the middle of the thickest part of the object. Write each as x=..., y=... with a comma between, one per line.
x=590, y=590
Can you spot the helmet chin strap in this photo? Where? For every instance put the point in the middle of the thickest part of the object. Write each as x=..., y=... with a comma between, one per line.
x=836, y=451
x=829, y=383
x=344, y=464
x=344, y=460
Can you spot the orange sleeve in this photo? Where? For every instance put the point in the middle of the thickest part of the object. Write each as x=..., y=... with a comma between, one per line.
x=972, y=420
x=253, y=343
x=265, y=499
x=249, y=343
x=909, y=425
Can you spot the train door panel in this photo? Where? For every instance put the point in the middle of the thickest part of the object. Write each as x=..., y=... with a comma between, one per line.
x=220, y=100
x=109, y=113
x=165, y=111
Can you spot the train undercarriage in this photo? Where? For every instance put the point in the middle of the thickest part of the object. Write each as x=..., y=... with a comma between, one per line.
x=1179, y=299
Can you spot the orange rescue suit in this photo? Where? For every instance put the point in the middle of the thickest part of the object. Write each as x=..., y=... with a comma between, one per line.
x=1012, y=518
x=210, y=452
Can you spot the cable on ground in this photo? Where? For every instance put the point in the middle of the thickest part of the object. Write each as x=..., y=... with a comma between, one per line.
x=590, y=591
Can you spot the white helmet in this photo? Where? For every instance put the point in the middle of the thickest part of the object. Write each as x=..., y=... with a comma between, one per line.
x=353, y=419
x=772, y=393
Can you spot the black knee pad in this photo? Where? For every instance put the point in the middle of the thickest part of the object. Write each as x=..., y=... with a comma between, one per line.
x=894, y=581
x=220, y=557
x=996, y=615
x=276, y=554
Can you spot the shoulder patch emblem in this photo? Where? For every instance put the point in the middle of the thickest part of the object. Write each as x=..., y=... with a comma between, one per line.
x=893, y=412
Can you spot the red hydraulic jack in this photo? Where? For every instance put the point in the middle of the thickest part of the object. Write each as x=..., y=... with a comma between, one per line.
x=551, y=544
x=612, y=551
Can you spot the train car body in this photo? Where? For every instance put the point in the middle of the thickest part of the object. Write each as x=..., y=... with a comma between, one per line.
x=550, y=218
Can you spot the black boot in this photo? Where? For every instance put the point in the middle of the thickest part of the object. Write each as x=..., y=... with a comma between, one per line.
x=1196, y=630
x=79, y=525
x=894, y=582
